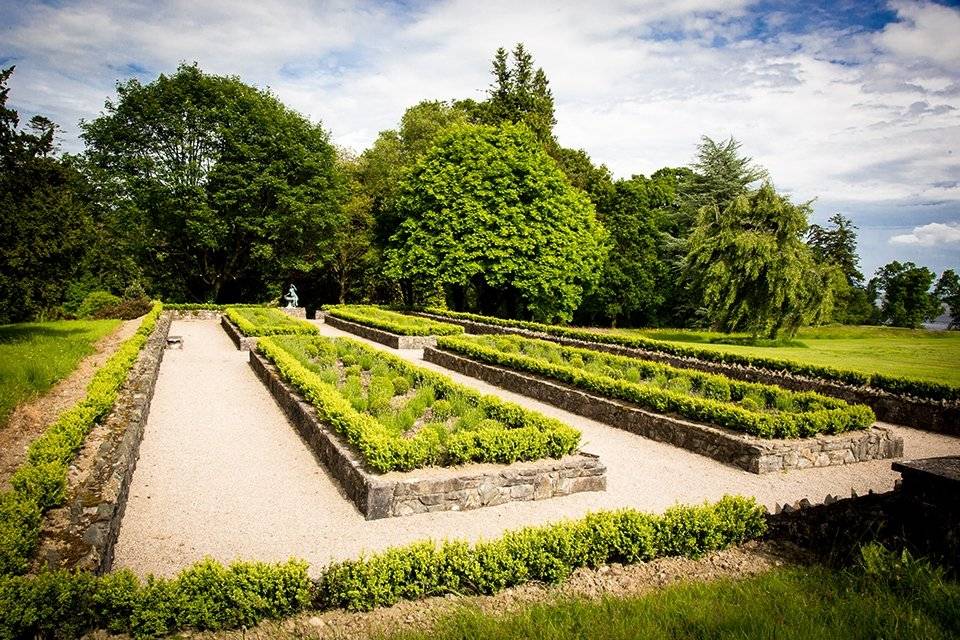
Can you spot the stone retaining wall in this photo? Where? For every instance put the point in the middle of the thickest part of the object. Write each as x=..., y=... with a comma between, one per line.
x=81, y=534
x=929, y=415
x=195, y=314
x=757, y=455
x=392, y=340
x=432, y=489
x=243, y=343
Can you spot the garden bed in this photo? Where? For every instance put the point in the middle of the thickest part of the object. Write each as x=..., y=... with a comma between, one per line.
x=393, y=329
x=245, y=324
x=917, y=404
x=426, y=490
x=754, y=454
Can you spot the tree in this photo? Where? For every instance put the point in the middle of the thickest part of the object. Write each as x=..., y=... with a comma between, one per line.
x=903, y=289
x=490, y=218
x=838, y=246
x=753, y=267
x=520, y=94
x=353, y=251
x=229, y=191
x=634, y=281
x=720, y=174
x=43, y=213
x=948, y=292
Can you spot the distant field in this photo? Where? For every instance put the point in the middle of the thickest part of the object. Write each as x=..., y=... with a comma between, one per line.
x=36, y=355
x=913, y=353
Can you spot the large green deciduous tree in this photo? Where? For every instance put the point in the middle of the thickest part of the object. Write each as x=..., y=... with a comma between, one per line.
x=903, y=290
x=837, y=244
x=948, y=292
x=45, y=223
x=489, y=217
x=230, y=191
x=753, y=267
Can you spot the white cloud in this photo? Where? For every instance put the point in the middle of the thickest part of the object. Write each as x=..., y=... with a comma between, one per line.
x=930, y=235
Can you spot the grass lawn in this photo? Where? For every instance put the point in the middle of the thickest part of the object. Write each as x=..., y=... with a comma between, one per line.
x=813, y=602
x=912, y=353
x=36, y=355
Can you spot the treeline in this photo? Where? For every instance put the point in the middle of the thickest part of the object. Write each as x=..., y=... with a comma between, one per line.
x=200, y=188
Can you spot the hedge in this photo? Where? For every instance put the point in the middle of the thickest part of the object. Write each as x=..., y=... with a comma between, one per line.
x=260, y=321
x=519, y=435
x=812, y=414
x=890, y=384
x=209, y=306
x=41, y=482
x=210, y=596
x=392, y=321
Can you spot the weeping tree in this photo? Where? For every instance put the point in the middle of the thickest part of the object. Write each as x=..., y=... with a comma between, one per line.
x=756, y=272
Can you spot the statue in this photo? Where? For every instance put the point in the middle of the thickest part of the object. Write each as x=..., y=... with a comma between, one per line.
x=291, y=297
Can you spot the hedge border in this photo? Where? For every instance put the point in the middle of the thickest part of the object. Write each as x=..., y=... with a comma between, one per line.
x=41, y=482
x=890, y=384
x=529, y=436
x=428, y=327
x=838, y=417
x=392, y=340
x=209, y=596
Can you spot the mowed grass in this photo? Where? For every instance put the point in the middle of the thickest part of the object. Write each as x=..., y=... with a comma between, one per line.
x=812, y=602
x=36, y=355
x=911, y=353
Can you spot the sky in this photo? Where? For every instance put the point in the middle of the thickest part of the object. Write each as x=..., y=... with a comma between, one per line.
x=854, y=105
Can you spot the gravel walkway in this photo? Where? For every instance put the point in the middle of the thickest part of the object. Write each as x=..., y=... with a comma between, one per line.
x=223, y=474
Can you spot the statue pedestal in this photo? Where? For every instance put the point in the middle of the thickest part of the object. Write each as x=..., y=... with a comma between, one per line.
x=296, y=312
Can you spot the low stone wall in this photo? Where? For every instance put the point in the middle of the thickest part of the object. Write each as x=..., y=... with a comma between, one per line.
x=81, y=534
x=295, y=312
x=243, y=343
x=433, y=489
x=757, y=455
x=392, y=340
x=921, y=514
x=929, y=415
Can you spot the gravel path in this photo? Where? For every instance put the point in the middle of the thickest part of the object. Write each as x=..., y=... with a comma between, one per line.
x=222, y=474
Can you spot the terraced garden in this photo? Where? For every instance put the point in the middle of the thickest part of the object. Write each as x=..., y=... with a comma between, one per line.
x=402, y=417
x=263, y=321
x=757, y=409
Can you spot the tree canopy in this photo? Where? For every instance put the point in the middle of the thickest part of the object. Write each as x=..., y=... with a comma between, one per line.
x=903, y=290
x=489, y=218
x=44, y=216
x=229, y=190
x=754, y=269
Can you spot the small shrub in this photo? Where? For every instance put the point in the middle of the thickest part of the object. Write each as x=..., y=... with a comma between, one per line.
x=401, y=385
x=125, y=310
x=95, y=302
x=442, y=409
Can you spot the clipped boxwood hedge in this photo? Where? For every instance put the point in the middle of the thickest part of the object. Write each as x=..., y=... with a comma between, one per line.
x=260, y=321
x=803, y=414
x=512, y=433
x=211, y=596
x=879, y=381
x=41, y=482
x=207, y=306
x=392, y=321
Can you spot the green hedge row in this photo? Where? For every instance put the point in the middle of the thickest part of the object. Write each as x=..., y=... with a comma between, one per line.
x=530, y=436
x=828, y=415
x=259, y=321
x=392, y=321
x=890, y=384
x=210, y=596
x=41, y=482
x=207, y=306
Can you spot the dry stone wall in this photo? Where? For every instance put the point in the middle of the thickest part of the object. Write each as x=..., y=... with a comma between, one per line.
x=756, y=455
x=81, y=534
x=242, y=342
x=432, y=489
